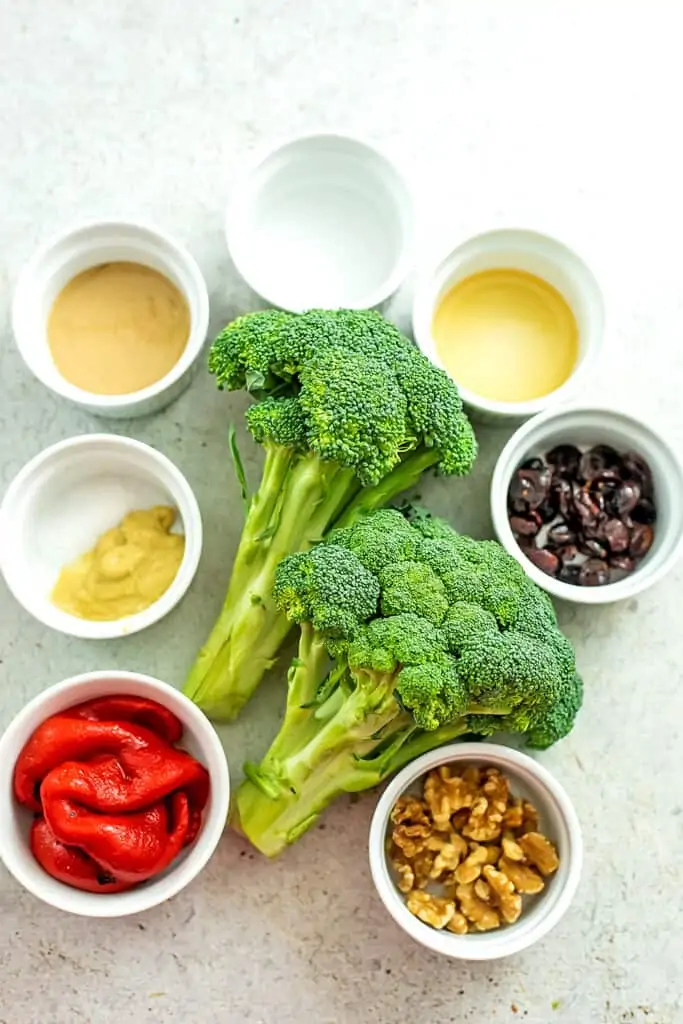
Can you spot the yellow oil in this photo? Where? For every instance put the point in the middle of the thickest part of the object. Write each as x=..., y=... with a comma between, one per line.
x=506, y=335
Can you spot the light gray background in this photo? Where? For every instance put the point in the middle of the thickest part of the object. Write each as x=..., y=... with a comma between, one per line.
x=559, y=116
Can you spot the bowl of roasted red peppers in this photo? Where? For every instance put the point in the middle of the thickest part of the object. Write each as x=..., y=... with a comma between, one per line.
x=590, y=502
x=118, y=793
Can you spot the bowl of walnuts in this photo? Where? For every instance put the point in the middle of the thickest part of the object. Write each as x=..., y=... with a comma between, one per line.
x=475, y=850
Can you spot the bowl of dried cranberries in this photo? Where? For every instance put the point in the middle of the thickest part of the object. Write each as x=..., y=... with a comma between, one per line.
x=590, y=502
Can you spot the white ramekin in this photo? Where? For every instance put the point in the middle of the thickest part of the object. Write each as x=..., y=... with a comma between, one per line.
x=199, y=739
x=321, y=221
x=587, y=426
x=558, y=821
x=522, y=250
x=89, y=245
x=65, y=498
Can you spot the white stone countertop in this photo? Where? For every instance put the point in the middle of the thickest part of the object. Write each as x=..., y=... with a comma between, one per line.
x=561, y=116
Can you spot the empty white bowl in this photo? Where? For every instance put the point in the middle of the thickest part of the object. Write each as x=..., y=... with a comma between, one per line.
x=199, y=739
x=586, y=426
x=65, y=498
x=536, y=254
x=89, y=245
x=558, y=821
x=324, y=221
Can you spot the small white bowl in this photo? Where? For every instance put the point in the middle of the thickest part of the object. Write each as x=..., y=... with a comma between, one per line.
x=536, y=254
x=587, y=426
x=89, y=245
x=65, y=498
x=199, y=739
x=558, y=821
x=323, y=221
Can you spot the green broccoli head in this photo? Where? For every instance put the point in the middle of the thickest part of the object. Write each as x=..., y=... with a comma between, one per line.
x=454, y=621
x=327, y=587
x=368, y=398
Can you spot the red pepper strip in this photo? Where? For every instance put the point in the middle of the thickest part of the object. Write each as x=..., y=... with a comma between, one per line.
x=145, y=712
x=70, y=865
x=141, y=769
x=130, y=847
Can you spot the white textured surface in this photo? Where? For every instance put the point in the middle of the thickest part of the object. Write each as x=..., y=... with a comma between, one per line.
x=559, y=116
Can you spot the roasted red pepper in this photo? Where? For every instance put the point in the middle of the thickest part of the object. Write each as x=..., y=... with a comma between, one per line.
x=116, y=794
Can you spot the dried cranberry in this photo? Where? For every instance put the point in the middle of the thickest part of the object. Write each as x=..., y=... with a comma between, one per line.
x=546, y=512
x=622, y=563
x=636, y=468
x=594, y=573
x=584, y=506
x=524, y=526
x=544, y=560
x=617, y=536
x=567, y=553
x=570, y=574
x=561, y=497
x=532, y=463
x=596, y=461
x=593, y=548
x=561, y=533
x=626, y=497
x=528, y=489
x=641, y=540
x=564, y=458
x=644, y=512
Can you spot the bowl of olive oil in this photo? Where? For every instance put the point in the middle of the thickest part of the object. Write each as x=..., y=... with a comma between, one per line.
x=514, y=317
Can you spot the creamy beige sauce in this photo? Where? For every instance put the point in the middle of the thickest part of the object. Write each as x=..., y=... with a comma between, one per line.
x=506, y=335
x=129, y=568
x=117, y=328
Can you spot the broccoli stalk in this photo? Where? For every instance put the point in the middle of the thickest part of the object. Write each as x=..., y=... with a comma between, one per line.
x=411, y=636
x=298, y=498
x=349, y=414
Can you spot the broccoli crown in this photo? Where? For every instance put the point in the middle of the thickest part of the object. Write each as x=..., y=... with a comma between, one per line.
x=366, y=395
x=327, y=587
x=454, y=621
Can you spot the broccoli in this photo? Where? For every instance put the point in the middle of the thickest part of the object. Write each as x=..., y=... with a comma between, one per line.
x=349, y=414
x=411, y=636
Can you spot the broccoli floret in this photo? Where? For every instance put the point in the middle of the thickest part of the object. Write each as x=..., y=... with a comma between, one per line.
x=451, y=639
x=349, y=414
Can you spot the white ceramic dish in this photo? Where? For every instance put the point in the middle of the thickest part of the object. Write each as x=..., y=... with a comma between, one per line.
x=522, y=250
x=587, y=426
x=558, y=821
x=89, y=245
x=65, y=498
x=199, y=739
x=323, y=221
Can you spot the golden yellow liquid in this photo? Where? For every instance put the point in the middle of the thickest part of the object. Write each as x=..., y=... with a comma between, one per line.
x=506, y=335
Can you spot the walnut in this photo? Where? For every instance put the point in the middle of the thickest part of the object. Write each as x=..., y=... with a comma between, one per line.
x=470, y=838
x=409, y=810
x=483, y=917
x=541, y=852
x=411, y=839
x=433, y=910
x=482, y=890
x=511, y=848
x=497, y=791
x=458, y=924
x=407, y=875
x=445, y=795
x=524, y=878
x=514, y=816
x=422, y=866
x=448, y=857
x=509, y=901
x=530, y=819
x=484, y=822
x=470, y=869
